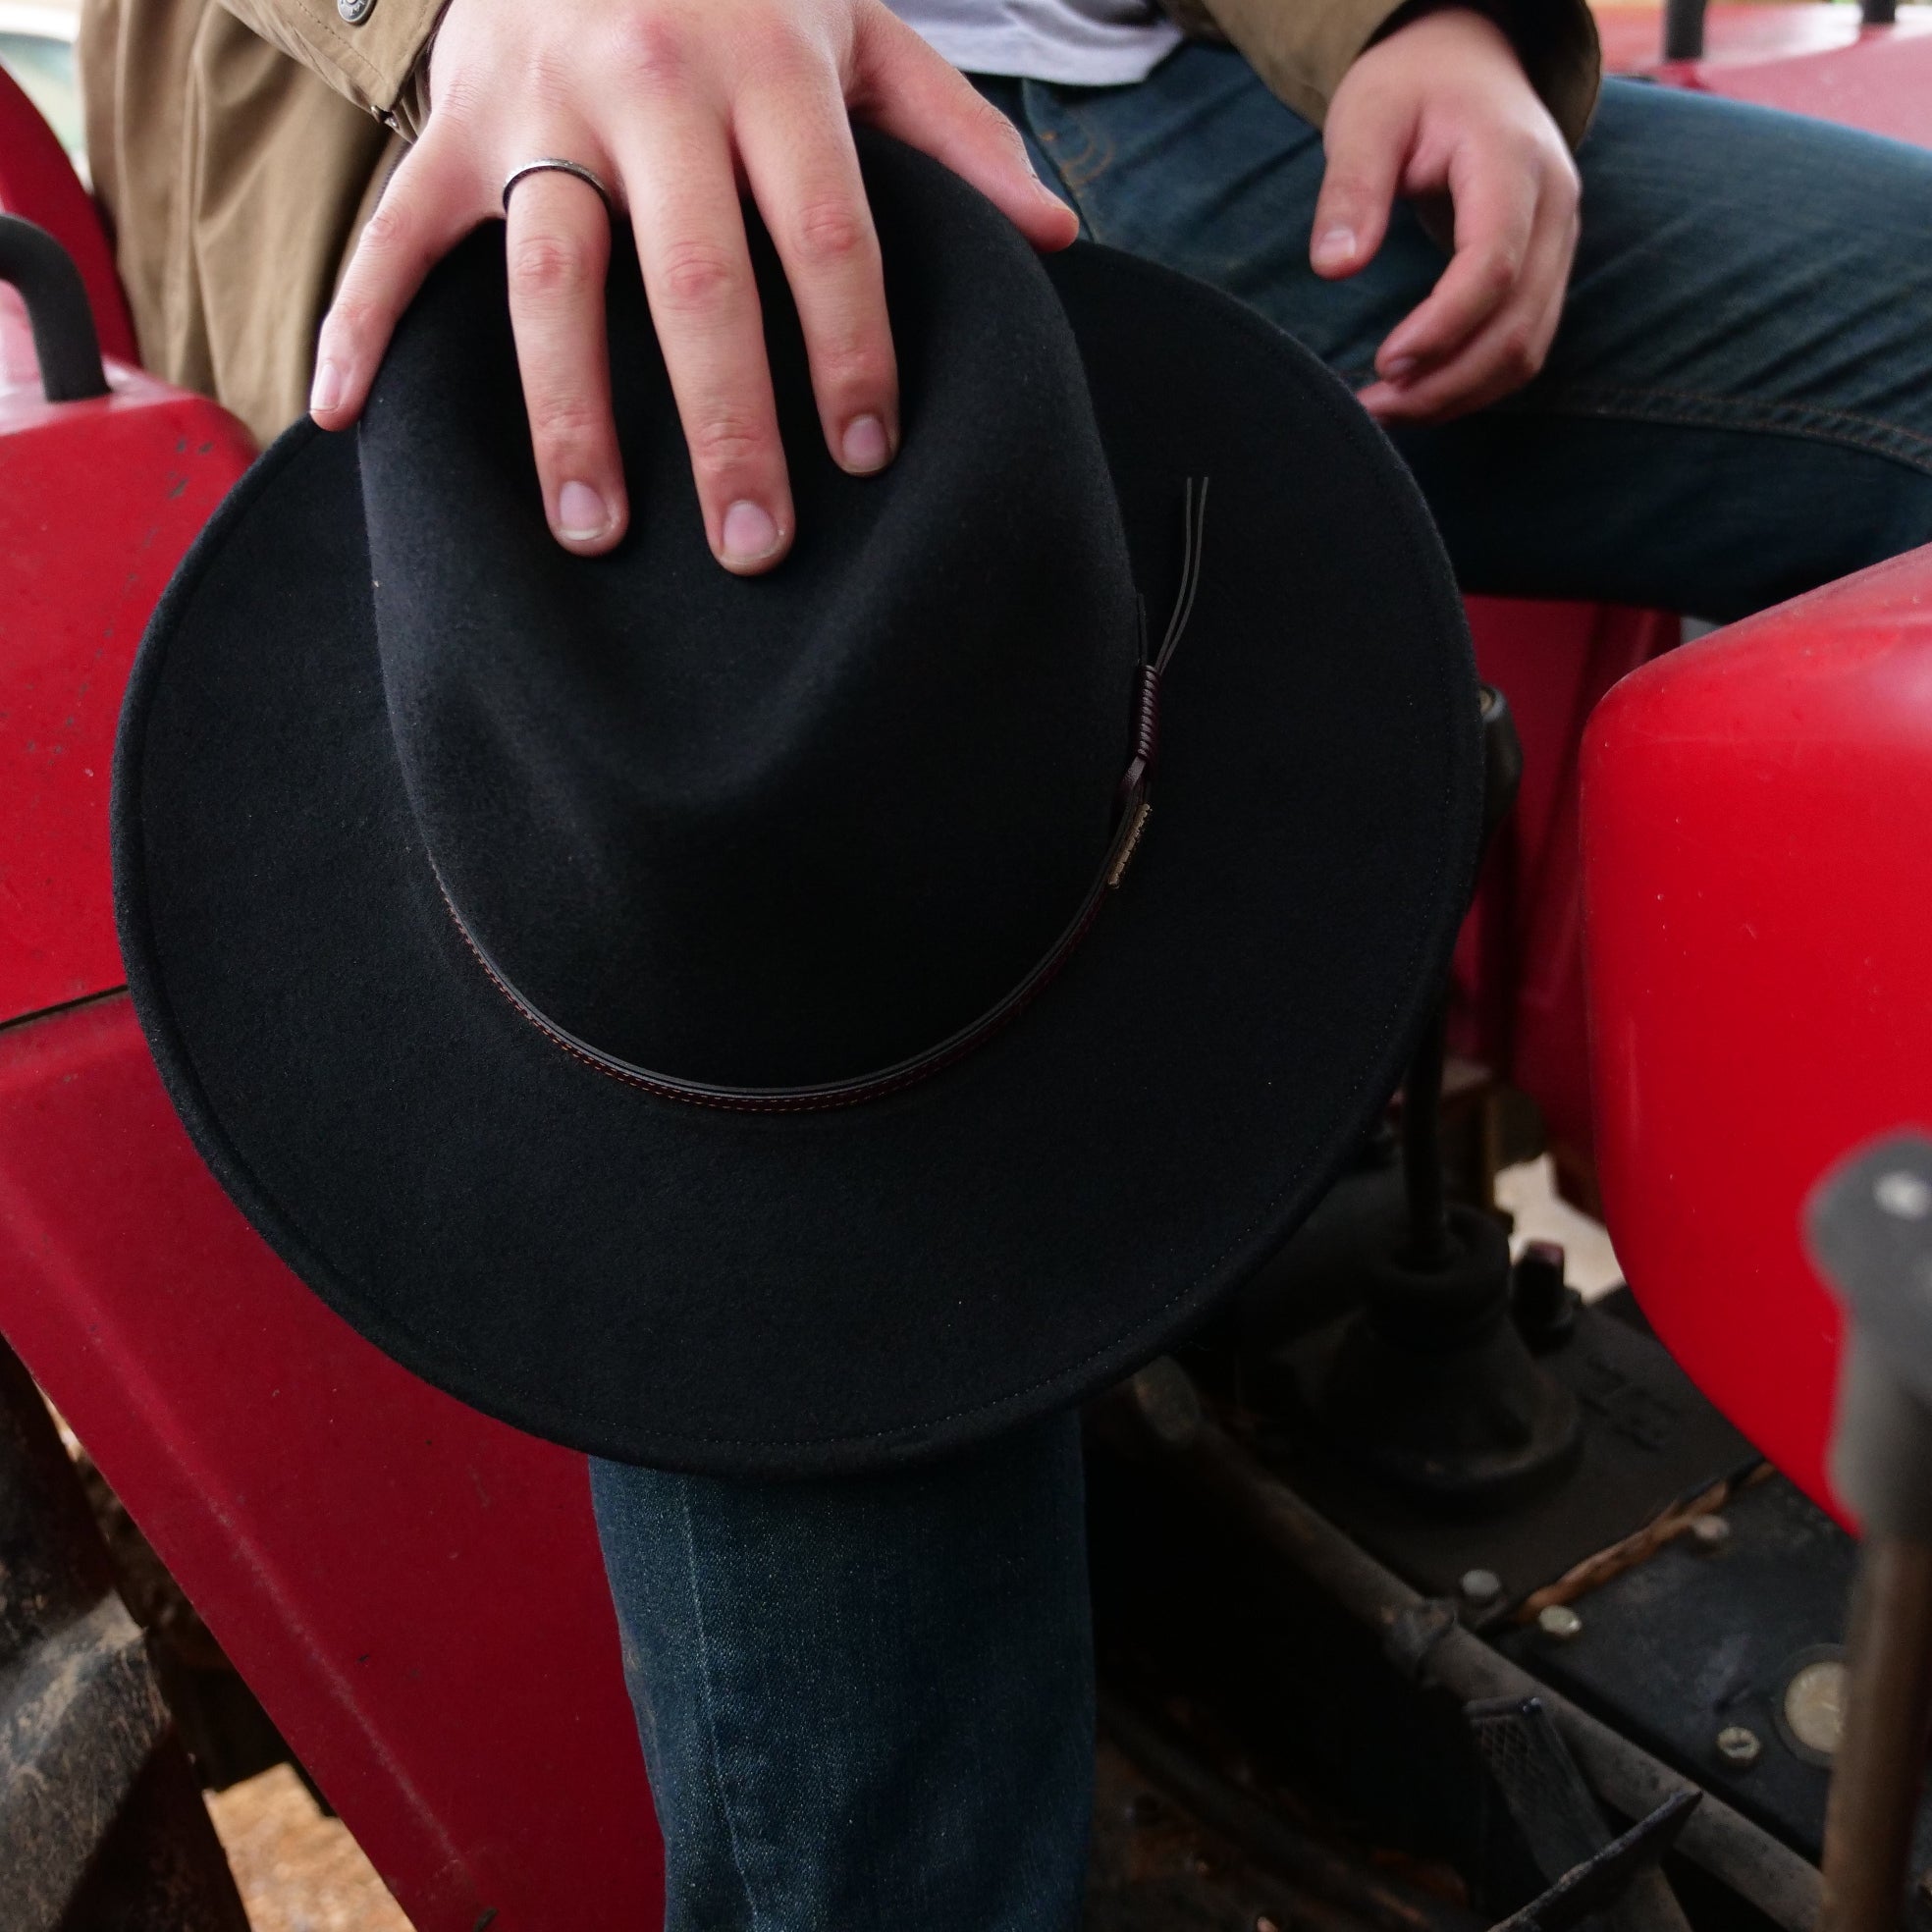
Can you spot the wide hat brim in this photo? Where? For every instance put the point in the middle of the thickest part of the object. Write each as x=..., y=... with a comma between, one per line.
x=745, y=1294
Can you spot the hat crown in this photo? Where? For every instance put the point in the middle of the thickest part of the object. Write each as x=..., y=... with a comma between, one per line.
x=779, y=830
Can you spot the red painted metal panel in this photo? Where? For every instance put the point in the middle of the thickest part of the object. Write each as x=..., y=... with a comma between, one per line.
x=38, y=183
x=414, y=1591
x=1757, y=818
x=97, y=501
x=1519, y=992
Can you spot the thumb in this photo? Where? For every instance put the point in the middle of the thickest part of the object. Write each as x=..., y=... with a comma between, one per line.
x=1366, y=141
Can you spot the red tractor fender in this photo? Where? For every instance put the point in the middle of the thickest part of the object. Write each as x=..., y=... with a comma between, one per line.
x=38, y=183
x=413, y=1592
x=1757, y=840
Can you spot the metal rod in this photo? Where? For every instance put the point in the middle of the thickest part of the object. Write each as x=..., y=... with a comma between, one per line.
x=1683, y=29
x=1372, y=1898
x=1422, y=1149
x=57, y=308
x=1626, y=1778
x=1875, y=1777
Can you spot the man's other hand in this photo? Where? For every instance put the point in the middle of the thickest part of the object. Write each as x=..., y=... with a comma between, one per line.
x=679, y=106
x=1443, y=108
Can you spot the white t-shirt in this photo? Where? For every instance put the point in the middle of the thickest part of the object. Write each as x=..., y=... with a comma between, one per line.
x=1089, y=43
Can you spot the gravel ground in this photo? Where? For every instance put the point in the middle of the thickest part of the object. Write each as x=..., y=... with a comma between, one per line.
x=298, y=1870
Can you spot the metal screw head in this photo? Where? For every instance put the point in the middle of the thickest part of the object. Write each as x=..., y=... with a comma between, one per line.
x=1709, y=1533
x=1559, y=1621
x=1481, y=1587
x=1738, y=1746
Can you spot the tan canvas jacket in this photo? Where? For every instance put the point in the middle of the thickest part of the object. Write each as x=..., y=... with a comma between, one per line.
x=237, y=146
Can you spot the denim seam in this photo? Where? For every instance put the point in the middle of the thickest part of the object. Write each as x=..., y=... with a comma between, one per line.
x=1695, y=409
x=710, y=1710
x=1073, y=176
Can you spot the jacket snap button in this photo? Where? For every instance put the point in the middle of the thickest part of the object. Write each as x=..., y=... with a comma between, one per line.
x=355, y=11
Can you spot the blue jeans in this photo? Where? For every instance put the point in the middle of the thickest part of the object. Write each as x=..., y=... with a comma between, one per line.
x=1739, y=402
x=868, y=1702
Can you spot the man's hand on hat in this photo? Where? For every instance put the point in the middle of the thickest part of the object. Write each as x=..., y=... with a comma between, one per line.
x=1441, y=107
x=679, y=106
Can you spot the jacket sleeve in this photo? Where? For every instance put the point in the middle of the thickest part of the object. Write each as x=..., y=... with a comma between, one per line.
x=1302, y=48
x=369, y=51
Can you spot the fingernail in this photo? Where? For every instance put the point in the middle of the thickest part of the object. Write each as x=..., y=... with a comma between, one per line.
x=1336, y=245
x=1400, y=369
x=749, y=533
x=582, y=513
x=866, y=446
x=327, y=390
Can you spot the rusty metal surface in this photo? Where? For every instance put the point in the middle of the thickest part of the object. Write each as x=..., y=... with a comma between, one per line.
x=1425, y=1639
x=1158, y=1865
x=1335, y=1877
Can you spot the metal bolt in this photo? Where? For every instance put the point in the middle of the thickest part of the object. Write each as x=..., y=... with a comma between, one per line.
x=1738, y=1746
x=1481, y=1587
x=1560, y=1622
x=1544, y=1305
x=1709, y=1533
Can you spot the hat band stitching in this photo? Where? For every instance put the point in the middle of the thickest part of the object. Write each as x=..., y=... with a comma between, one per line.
x=829, y=1094
x=1132, y=812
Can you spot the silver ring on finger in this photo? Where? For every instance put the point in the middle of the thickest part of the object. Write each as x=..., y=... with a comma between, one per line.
x=556, y=163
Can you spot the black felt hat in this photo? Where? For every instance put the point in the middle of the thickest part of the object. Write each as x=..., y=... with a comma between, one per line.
x=798, y=1023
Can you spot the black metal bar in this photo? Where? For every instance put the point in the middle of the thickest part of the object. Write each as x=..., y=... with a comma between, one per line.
x=1422, y=1149
x=1556, y=1811
x=1421, y=1087
x=1600, y=1881
x=1880, y=13
x=56, y=299
x=1427, y=1638
x=1683, y=29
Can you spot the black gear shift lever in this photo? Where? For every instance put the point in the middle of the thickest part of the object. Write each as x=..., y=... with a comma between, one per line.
x=1430, y=1383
